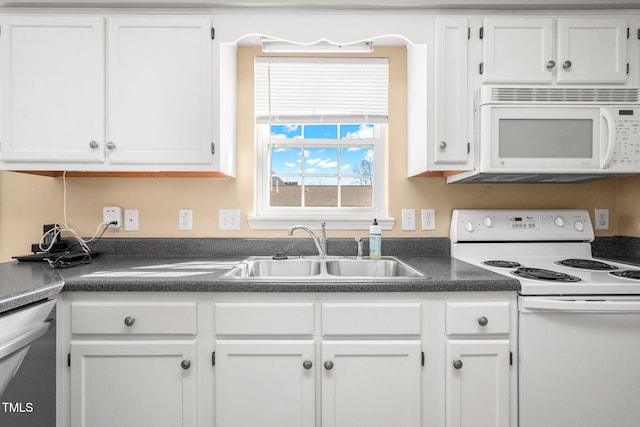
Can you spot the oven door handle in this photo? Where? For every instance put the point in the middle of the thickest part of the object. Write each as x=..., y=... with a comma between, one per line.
x=23, y=340
x=582, y=306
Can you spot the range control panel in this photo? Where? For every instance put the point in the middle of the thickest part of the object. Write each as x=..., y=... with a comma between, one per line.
x=498, y=225
x=627, y=151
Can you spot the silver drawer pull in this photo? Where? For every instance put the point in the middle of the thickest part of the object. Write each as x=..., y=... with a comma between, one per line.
x=185, y=364
x=457, y=364
x=328, y=365
x=483, y=321
x=307, y=364
x=129, y=321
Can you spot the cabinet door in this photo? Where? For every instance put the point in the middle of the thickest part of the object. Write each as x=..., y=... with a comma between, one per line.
x=477, y=383
x=159, y=89
x=52, y=89
x=133, y=384
x=517, y=50
x=450, y=141
x=265, y=383
x=592, y=51
x=371, y=383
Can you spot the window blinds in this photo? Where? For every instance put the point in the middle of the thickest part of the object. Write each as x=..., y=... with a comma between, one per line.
x=311, y=90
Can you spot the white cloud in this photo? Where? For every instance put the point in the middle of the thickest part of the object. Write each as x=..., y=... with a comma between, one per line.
x=290, y=165
x=311, y=170
x=364, y=132
x=322, y=163
x=346, y=167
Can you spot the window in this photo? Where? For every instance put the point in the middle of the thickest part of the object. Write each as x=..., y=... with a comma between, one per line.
x=321, y=131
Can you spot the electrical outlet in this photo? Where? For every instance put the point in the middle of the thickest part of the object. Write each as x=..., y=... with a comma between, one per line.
x=131, y=220
x=428, y=219
x=185, y=219
x=602, y=219
x=112, y=214
x=229, y=219
x=408, y=219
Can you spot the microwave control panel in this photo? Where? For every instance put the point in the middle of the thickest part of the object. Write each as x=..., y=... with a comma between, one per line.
x=627, y=137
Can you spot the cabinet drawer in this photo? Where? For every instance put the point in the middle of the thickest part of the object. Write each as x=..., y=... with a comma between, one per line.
x=478, y=317
x=134, y=318
x=291, y=319
x=371, y=319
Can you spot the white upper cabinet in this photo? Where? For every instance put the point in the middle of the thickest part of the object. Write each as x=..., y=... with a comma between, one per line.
x=159, y=90
x=115, y=94
x=451, y=113
x=517, y=50
x=52, y=85
x=546, y=50
x=592, y=51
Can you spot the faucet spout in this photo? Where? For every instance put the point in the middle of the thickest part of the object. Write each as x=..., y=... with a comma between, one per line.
x=320, y=246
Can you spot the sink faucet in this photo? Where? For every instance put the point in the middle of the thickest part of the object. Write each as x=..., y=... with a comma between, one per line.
x=321, y=243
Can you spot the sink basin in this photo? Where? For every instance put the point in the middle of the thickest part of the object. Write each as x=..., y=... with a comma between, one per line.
x=322, y=268
x=370, y=268
x=268, y=267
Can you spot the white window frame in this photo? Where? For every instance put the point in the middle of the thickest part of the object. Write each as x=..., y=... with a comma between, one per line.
x=346, y=218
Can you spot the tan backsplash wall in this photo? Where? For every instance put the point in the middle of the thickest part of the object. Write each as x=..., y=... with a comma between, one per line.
x=628, y=206
x=27, y=202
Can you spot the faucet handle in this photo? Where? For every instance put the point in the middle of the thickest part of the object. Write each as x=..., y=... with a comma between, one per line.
x=360, y=250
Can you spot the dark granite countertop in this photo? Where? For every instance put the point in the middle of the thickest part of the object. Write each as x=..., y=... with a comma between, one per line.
x=200, y=265
x=120, y=273
x=24, y=283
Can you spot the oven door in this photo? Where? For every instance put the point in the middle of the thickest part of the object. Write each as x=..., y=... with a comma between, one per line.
x=549, y=139
x=579, y=361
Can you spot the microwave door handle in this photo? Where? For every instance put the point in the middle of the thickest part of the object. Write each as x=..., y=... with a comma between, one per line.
x=611, y=143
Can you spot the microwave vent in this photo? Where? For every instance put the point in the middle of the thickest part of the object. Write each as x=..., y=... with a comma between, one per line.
x=565, y=95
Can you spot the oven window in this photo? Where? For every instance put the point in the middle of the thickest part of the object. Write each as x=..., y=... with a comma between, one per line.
x=546, y=138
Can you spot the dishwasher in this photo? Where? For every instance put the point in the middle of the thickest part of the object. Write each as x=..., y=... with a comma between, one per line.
x=27, y=366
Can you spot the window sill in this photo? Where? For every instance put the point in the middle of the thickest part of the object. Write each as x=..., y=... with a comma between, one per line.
x=282, y=223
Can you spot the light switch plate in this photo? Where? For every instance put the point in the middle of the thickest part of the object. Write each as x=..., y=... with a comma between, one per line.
x=408, y=219
x=229, y=219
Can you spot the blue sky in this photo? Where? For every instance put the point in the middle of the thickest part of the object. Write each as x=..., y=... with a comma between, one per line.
x=320, y=160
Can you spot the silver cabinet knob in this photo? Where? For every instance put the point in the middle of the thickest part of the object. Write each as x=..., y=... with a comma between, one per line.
x=443, y=145
x=328, y=365
x=483, y=321
x=307, y=364
x=111, y=146
x=457, y=364
x=566, y=65
x=129, y=321
x=551, y=64
x=93, y=145
x=185, y=364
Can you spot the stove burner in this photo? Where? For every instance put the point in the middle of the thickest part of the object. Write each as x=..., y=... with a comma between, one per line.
x=502, y=264
x=542, y=274
x=587, y=264
x=627, y=274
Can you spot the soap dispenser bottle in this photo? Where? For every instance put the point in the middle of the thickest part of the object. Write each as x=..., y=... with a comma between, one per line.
x=375, y=240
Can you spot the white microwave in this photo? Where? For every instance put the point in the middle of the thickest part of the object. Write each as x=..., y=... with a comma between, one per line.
x=554, y=134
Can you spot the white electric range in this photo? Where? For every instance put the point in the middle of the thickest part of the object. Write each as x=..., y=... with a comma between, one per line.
x=579, y=317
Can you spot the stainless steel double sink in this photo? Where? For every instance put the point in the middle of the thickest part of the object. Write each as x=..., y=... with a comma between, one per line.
x=318, y=268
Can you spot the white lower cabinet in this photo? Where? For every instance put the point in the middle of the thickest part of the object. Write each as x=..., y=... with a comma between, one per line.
x=182, y=359
x=479, y=372
x=478, y=383
x=371, y=383
x=268, y=383
x=133, y=384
